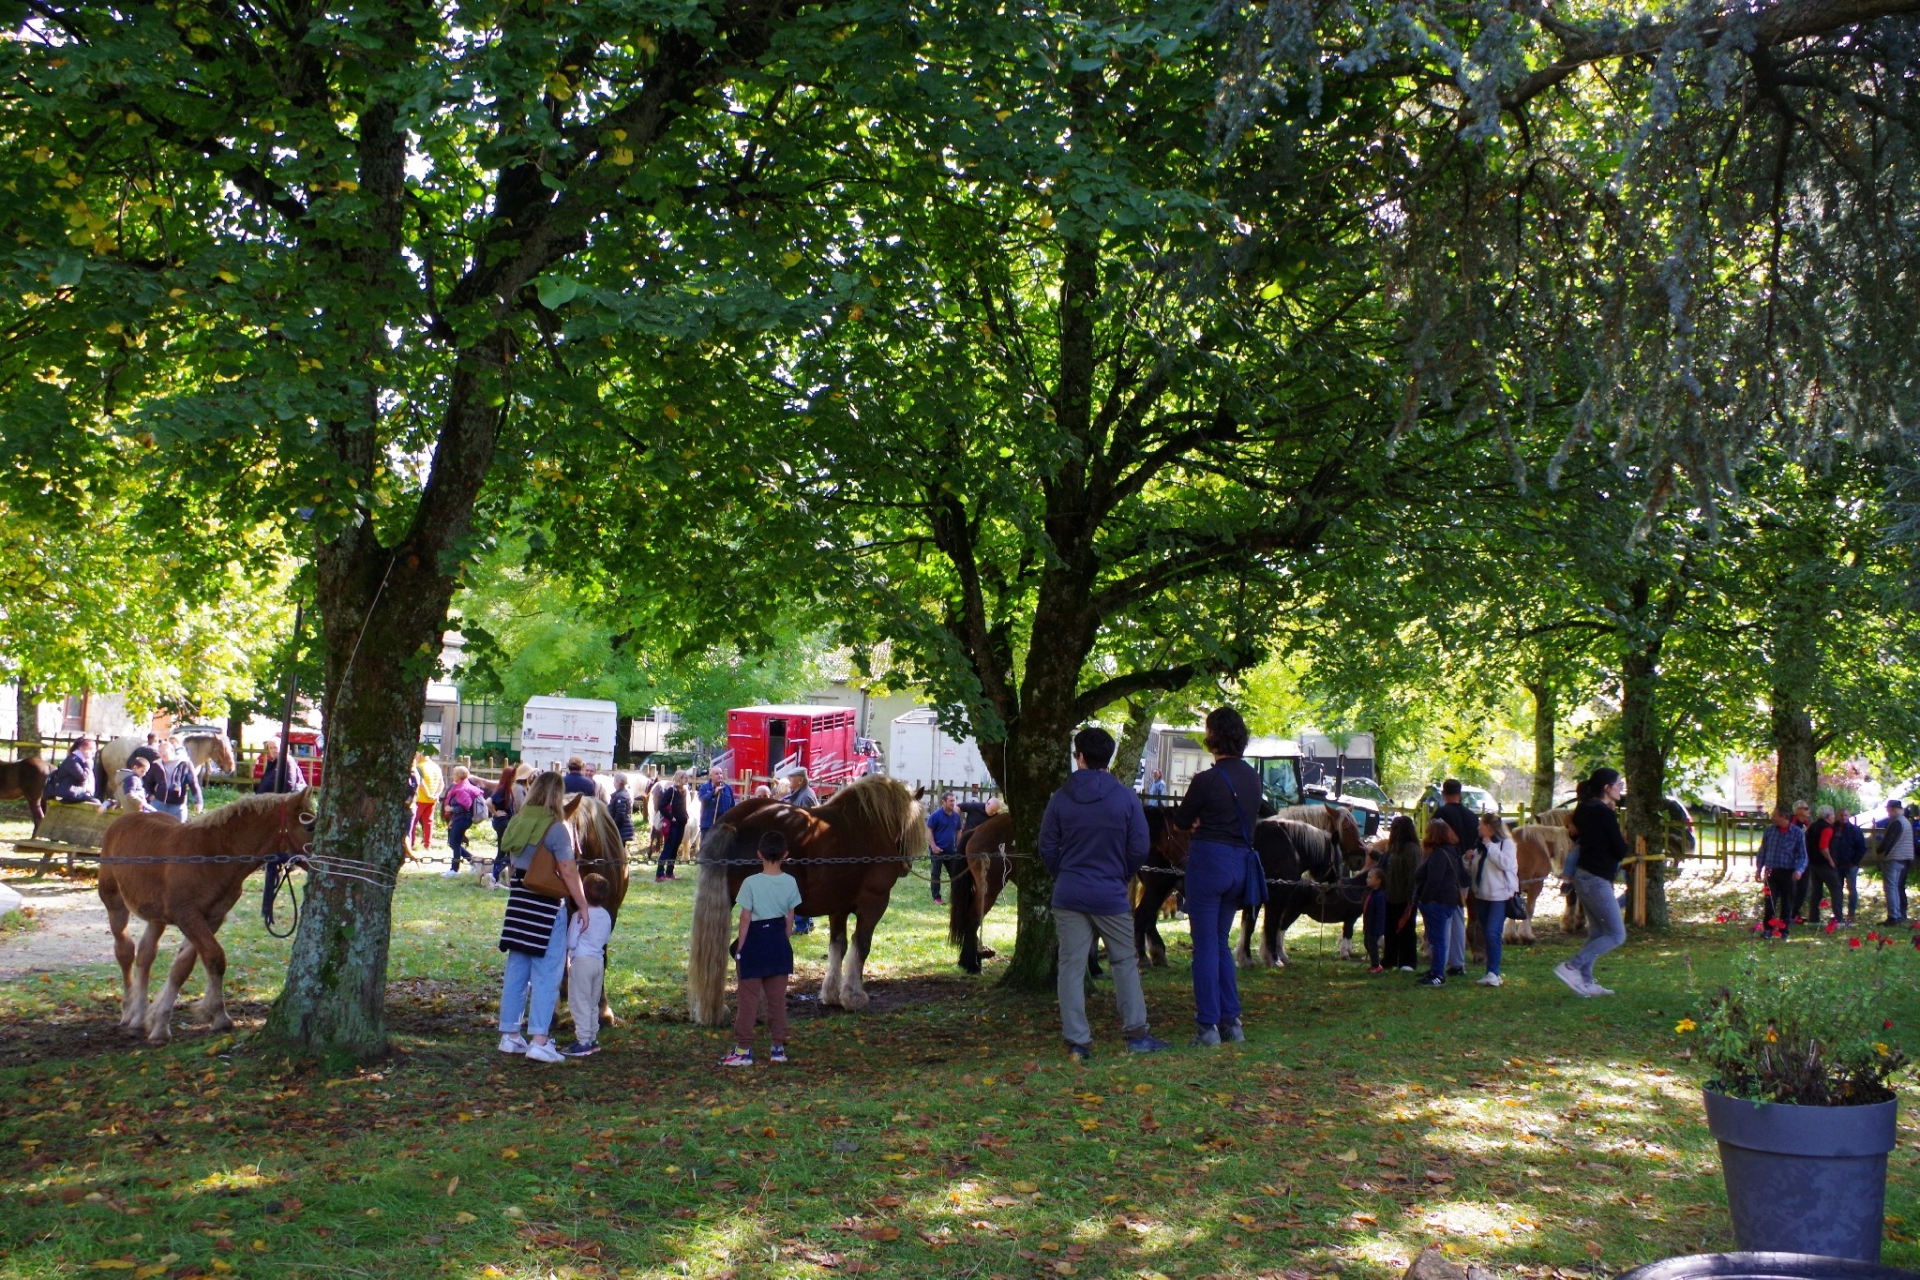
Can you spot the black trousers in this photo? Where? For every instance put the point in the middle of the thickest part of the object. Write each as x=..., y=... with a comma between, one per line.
x=1403, y=947
x=950, y=863
x=1821, y=878
x=1780, y=886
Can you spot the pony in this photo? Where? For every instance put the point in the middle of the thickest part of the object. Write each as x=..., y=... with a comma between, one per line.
x=601, y=850
x=145, y=871
x=988, y=868
x=1333, y=820
x=846, y=855
x=1293, y=850
x=1167, y=847
x=26, y=780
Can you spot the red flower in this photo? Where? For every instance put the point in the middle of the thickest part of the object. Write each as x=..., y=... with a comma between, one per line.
x=1832, y=925
x=1872, y=936
x=1887, y=1025
x=1854, y=943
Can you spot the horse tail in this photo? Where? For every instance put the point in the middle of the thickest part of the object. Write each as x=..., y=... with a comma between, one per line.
x=963, y=913
x=707, y=948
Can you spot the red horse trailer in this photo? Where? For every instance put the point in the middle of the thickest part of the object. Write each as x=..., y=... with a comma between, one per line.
x=766, y=742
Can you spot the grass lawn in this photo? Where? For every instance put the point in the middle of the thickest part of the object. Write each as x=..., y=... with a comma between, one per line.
x=944, y=1134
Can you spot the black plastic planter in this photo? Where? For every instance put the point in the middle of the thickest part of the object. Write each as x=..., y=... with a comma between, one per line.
x=1764, y=1266
x=1806, y=1180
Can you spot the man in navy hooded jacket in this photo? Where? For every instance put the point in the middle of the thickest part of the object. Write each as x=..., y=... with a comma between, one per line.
x=1092, y=839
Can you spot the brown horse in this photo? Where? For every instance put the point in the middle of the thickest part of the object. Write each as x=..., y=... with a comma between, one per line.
x=26, y=780
x=602, y=852
x=988, y=851
x=873, y=822
x=153, y=866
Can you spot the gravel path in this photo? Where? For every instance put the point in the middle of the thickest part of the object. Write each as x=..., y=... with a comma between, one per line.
x=72, y=930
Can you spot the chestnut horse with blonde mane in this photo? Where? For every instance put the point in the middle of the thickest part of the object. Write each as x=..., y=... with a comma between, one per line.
x=165, y=871
x=846, y=855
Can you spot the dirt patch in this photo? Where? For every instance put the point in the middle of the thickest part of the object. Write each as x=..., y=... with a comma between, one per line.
x=72, y=930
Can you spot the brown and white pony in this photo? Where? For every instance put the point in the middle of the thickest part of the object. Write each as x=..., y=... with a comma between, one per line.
x=1336, y=822
x=873, y=819
x=601, y=851
x=26, y=780
x=988, y=851
x=148, y=869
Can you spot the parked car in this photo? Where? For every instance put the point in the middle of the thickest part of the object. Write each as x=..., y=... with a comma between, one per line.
x=1362, y=796
x=1477, y=799
x=1677, y=816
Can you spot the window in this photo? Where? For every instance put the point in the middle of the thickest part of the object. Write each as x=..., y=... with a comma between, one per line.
x=73, y=714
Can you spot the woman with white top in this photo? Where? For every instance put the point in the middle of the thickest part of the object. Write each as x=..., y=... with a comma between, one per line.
x=1496, y=878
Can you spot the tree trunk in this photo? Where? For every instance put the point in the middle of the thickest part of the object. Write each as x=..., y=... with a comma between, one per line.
x=26, y=725
x=236, y=727
x=622, y=741
x=383, y=613
x=1133, y=739
x=1644, y=755
x=1546, y=715
x=1036, y=766
x=1795, y=667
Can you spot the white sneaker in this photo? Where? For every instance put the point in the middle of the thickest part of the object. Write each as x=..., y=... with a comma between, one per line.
x=1571, y=976
x=1595, y=989
x=448, y=874
x=1406, y=968
x=512, y=1042
x=1488, y=980
x=544, y=1052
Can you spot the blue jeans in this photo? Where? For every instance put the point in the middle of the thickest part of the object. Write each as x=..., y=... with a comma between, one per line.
x=172, y=810
x=1850, y=881
x=542, y=974
x=1496, y=926
x=1216, y=891
x=1896, y=874
x=1605, y=929
x=457, y=842
x=1440, y=919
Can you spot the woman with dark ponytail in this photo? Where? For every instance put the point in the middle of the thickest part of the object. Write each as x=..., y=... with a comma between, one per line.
x=1596, y=824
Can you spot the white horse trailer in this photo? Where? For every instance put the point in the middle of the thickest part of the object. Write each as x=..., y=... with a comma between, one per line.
x=922, y=754
x=554, y=730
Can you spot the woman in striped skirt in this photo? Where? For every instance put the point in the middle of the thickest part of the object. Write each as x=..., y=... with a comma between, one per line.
x=534, y=934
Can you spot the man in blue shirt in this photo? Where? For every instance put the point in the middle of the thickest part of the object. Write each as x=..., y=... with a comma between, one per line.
x=1093, y=837
x=716, y=797
x=943, y=830
x=1780, y=864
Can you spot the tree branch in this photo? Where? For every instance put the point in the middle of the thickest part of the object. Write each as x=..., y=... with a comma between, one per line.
x=1165, y=679
x=1788, y=20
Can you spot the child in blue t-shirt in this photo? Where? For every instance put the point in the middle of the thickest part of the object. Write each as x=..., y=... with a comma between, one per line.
x=764, y=949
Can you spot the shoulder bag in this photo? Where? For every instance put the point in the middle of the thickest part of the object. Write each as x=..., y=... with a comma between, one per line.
x=543, y=877
x=1256, y=889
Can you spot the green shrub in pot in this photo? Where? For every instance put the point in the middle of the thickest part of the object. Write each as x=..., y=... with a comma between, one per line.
x=1800, y=1097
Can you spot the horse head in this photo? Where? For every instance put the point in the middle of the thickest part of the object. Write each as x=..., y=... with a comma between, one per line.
x=1171, y=843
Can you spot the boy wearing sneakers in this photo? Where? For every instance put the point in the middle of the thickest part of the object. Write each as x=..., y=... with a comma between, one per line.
x=586, y=975
x=764, y=951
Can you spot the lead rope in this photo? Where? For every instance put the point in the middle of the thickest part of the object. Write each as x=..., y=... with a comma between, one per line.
x=279, y=869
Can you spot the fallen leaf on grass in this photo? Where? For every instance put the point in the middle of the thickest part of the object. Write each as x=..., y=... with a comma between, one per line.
x=1025, y=1188
x=463, y=1218
x=1348, y=1156
x=1593, y=1248
x=113, y=1264
x=888, y=1202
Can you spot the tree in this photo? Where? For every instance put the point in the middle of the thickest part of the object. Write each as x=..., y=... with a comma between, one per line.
x=306, y=251
x=1080, y=396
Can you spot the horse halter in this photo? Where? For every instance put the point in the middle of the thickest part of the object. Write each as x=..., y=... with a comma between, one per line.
x=277, y=866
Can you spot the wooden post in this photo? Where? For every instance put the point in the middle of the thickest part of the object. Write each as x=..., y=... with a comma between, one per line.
x=1639, y=882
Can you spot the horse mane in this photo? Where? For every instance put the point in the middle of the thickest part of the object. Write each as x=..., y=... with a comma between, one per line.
x=248, y=807
x=882, y=802
x=1316, y=846
x=1558, y=818
x=589, y=816
x=1554, y=839
x=1330, y=818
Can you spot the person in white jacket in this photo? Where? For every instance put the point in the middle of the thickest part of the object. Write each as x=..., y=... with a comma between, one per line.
x=1496, y=878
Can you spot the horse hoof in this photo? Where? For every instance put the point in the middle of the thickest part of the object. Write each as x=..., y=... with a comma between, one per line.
x=222, y=1023
x=855, y=1000
x=987, y=953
